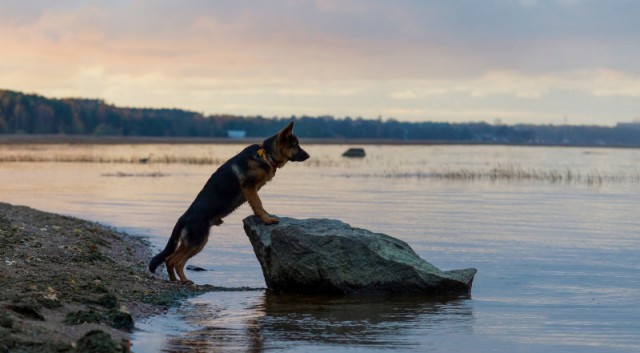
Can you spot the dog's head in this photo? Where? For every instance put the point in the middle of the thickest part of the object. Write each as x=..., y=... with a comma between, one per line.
x=284, y=146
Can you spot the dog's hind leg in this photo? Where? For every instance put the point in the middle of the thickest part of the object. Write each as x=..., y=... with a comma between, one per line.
x=189, y=252
x=172, y=259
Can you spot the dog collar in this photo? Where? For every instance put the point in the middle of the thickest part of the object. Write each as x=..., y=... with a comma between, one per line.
x=267, y=158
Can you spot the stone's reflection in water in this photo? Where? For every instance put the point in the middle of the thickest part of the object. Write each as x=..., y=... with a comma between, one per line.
x=270, y=321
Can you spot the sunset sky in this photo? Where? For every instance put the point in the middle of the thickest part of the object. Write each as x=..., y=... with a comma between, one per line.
x=519, y=61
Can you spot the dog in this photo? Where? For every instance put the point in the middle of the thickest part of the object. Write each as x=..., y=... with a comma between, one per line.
x=236, y=181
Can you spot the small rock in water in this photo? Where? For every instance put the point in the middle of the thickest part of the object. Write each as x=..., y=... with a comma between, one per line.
x=329, y=256
x=195, y=268
x=354, y=152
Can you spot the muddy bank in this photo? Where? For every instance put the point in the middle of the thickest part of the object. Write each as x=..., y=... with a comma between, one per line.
x=67, y=285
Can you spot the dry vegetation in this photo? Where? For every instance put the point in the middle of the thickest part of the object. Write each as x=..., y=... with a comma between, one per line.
x=499, y=173
x=88, y=158
x=508, y=174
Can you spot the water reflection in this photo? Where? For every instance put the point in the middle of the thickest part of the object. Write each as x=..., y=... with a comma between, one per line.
x=271, y=321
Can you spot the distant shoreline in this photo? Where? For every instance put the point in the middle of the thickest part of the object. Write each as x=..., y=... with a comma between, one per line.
x=115, y=140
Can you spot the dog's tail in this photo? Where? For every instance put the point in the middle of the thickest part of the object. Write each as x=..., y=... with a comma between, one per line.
x=172, y=244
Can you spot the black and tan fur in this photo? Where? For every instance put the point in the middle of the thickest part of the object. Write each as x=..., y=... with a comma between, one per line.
x=236, y=181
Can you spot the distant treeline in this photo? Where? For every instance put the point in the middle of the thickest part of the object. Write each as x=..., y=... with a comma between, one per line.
x=33, y=114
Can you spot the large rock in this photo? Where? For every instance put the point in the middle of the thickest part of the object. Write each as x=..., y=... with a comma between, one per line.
x=329, y=256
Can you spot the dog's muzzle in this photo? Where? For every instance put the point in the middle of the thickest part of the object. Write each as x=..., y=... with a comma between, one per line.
x=300, y=156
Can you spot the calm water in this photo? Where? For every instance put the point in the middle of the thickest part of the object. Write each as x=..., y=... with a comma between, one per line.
x=558, y=265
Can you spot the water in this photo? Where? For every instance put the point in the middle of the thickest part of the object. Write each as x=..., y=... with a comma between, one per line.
x=558, y=269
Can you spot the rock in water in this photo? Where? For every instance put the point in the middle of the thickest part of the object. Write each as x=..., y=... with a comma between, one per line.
x=329, y=256
x=354, y=152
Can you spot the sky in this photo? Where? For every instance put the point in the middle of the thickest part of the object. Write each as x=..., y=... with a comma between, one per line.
x=509, y=61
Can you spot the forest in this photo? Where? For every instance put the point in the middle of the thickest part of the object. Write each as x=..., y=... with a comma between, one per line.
x=22, y=113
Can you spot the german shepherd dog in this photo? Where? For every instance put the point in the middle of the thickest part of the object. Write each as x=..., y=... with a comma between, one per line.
x=236, y=181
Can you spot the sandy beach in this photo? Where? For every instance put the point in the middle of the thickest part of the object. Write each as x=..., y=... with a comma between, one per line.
x=63, y=278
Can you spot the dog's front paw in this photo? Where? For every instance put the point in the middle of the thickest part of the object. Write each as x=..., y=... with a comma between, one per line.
x=269, y=220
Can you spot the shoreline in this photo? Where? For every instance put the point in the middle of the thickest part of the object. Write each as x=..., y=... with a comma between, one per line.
x=139, y=140
x=63, y=278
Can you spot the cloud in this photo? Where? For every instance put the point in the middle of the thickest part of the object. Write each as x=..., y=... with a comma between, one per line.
x=615, y=83
x=412, y=59
x=334, y=39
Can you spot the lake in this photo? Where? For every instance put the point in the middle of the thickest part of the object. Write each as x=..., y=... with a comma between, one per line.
x=554, y=233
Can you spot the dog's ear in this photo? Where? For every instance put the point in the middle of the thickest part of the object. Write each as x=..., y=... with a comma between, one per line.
x=286, y=132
